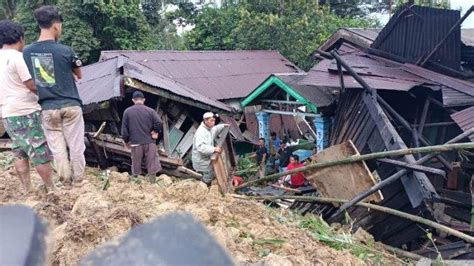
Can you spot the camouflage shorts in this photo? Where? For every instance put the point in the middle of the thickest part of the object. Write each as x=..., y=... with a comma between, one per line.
x=28, y=138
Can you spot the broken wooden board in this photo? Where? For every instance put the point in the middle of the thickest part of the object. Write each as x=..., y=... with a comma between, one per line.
x=225, y=162
x=342, y=181
x=186, y=142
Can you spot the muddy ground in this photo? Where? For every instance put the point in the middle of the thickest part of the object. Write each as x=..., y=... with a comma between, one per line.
x=82, y=218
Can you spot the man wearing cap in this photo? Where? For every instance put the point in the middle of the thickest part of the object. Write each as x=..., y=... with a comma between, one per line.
x=203, y=146
x=140, y=127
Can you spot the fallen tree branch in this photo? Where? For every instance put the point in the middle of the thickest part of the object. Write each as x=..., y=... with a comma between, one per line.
x=394, y=212
x=358, y=158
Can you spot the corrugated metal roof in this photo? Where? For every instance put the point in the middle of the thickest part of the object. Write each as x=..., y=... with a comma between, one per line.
x=379, y=73
x=146, y=75
x=102, y=82
x=384, y=74
x=217, y=74
x=414, y=31
x=465, y=119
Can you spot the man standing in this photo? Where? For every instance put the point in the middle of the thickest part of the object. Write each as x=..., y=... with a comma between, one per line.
x=284, y=157
x=203, y=146
x=54, y=67
x=21, y=111
x=262, y=156
x=140, y=128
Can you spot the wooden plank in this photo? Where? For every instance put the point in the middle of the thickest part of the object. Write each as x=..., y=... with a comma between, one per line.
x=175, y=137
x=166, y=134
x=186, y=143
x=453, y=177
x=342, y=181
x=222, y=163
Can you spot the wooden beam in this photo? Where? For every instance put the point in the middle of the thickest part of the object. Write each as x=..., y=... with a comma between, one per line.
x=282, y=102
x=101, y=128
x=162, y=93
x=166, y=134
x=424, y=115
x=290, y=113
x=436, y=124
x=414, y=167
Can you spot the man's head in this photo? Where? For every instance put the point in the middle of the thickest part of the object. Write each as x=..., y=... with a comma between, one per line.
x=11, y=34
x=283, y=145
x=49, y=19
x=209, y=119
x=273, y=135
x=261, y=142
x=138, y=97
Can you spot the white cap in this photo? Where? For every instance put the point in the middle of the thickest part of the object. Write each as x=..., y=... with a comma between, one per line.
x=208, y=115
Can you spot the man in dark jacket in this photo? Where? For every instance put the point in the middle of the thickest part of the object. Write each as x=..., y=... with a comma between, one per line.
x=140, y=127
x=284, y=154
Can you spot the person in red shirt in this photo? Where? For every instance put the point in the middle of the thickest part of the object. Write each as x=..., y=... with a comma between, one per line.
x=297, y=179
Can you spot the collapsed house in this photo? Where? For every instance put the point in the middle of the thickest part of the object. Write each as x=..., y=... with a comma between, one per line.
x=180, y=86
x=409, y=85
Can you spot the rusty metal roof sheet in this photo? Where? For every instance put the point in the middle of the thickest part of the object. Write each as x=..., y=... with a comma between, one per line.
x=146, y=75
x=102, y=82
x=384, y=74
x=465, y=119
x=217, y=74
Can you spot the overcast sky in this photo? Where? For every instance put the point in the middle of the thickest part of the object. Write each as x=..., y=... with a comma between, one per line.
x=464, y=5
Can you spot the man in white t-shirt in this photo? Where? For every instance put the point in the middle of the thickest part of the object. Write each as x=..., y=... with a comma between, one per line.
x=20, y=109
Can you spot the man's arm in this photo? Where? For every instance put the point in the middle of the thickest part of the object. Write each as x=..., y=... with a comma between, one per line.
x=24, y=74
x=157, y=123
x=125, y=132
x=30, y=85
x=77, y=73
x=202, y=147
x=76, y=65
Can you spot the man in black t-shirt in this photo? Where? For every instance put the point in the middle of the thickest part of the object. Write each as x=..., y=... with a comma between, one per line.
x=140, y=127
x=54, y=68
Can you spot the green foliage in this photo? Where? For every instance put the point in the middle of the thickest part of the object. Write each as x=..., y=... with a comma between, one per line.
x=338, y=240
x=246, y=168
x=78, y=33
x=294, y=31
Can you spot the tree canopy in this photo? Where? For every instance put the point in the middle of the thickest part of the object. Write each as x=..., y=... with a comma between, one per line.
x=292, y=27
x=295, y=29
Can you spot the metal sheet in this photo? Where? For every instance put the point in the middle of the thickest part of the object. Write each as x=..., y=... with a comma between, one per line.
x=465, y=119
x=411, y=33
x=216, y=74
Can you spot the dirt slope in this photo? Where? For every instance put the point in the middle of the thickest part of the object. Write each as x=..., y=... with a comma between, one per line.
x=82, y=218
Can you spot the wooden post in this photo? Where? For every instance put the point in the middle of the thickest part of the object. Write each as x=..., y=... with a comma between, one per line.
x=166, y=134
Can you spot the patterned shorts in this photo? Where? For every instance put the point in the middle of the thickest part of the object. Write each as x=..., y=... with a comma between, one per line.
x=28, y=138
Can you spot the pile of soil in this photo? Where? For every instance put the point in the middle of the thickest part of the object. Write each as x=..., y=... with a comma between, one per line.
x=82, y=218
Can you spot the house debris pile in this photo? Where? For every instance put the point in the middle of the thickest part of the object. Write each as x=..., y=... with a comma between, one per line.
x=408, y=85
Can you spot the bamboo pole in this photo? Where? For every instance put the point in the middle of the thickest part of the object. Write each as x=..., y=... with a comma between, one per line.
x=358, y=158
x=411, y=217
